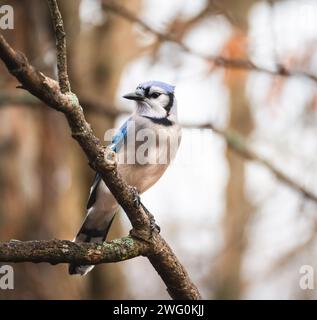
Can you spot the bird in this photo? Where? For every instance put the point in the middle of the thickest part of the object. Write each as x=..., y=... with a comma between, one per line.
x=144, y=145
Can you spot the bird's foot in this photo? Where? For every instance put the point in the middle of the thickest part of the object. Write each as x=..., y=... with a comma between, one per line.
x=137, y=199
x=153, y=226
x=137, y=203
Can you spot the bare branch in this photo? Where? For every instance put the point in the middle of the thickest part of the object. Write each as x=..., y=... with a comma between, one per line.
x=89, y=104
x=217, y=60
x=237, y=143
x=64, y=251
x=102, y=160
x=61, y=46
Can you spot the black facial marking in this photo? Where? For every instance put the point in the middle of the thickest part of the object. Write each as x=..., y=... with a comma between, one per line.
x=155, y=95
x=146, y=91
x=170, y=103
x=163, y=121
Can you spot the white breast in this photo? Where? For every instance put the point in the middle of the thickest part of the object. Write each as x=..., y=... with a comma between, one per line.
x=144, y=161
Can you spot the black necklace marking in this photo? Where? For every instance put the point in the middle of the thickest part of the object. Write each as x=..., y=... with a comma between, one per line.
x=163, y=121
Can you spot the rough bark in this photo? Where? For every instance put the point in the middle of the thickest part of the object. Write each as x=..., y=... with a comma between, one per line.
x=64, y=251
x=102, y=160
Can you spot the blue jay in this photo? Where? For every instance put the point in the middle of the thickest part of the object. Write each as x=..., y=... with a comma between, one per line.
x=145, y=143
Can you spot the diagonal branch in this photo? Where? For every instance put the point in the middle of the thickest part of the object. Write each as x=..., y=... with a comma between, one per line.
x=101, y=159
x=61, y=46
x=217, y=60
x=238, y=144
x=90, y=104
x=234, y=140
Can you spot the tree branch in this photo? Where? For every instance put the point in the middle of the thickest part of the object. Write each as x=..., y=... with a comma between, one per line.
x=61, y=46
x=90, y=105
x=234, y=140
x=238, y=144
x=217, y=60
x=101, y=159
x=64, y=251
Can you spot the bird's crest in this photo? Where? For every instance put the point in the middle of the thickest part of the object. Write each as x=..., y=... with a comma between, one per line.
x=165, y=86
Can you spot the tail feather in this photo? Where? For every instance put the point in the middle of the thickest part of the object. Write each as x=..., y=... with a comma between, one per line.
x=88, y=235
x=74, y=269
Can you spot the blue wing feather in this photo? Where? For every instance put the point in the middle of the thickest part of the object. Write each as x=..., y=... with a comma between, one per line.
x=118, y=139
x=116, y=144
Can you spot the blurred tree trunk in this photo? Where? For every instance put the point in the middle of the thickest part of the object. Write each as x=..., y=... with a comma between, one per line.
x=40, y=198
x=228, y=284
x=44, y=177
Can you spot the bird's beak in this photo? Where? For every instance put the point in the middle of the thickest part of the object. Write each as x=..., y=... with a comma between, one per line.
x=137, y=96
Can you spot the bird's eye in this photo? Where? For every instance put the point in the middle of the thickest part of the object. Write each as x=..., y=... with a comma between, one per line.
x=155, y=95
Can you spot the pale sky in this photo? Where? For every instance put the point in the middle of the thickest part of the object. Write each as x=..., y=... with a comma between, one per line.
x=188, y=202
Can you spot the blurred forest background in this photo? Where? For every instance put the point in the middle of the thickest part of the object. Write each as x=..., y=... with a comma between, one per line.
x=239, y=231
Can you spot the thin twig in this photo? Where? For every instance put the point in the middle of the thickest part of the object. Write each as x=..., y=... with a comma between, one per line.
x=61, y=46
x=217, y=60
x=237, y=142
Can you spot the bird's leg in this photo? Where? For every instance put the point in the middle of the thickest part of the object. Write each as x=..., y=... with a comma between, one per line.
x=153, y=225
x=138, y=203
